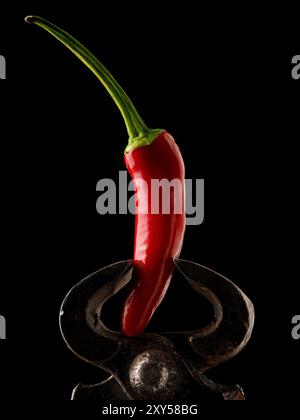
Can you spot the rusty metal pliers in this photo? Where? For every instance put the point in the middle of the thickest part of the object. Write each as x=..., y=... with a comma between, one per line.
x=161, y=366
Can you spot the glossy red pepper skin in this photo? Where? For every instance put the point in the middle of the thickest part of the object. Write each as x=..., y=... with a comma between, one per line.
x=158, y=237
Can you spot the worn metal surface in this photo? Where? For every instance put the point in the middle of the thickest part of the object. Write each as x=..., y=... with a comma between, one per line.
x=156, y=366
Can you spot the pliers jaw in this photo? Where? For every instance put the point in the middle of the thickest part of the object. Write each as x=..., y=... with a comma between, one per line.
x=163, y=366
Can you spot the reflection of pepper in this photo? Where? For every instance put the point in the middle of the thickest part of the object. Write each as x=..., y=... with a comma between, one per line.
x=150, y=154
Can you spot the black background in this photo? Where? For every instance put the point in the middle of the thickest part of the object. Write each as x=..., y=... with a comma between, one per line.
x=220, y=82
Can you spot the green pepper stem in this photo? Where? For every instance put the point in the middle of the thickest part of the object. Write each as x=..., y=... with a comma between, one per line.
x=139, y=133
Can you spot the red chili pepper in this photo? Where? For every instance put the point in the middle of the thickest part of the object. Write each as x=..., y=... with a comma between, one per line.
x=158, y=237
x=150, y=155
